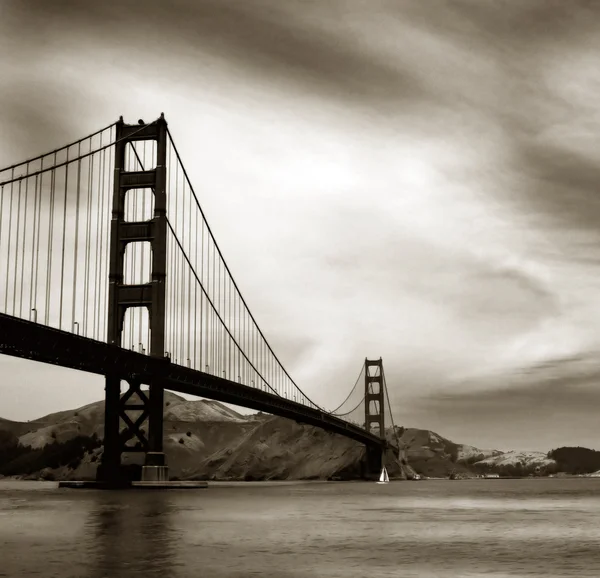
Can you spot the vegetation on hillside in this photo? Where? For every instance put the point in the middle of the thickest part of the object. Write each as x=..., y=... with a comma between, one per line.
x=16, y=459
x=576, y=460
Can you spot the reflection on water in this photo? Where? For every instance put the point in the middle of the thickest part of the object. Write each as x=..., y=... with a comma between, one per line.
x=132, y=532
x=498, y=528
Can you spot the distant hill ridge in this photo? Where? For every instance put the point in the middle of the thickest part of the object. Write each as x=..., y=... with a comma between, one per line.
x=206, y=439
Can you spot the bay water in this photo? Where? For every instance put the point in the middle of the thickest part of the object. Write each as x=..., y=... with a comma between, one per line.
x=463, y=528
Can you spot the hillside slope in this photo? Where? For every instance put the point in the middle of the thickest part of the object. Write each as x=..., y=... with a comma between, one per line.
x=16, y=428
x=434, y=456
x=517, y=463
x=204, y=439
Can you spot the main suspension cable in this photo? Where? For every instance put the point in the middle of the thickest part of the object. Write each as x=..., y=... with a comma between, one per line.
x=56, y=151
x=233, y=280
x=351, y=391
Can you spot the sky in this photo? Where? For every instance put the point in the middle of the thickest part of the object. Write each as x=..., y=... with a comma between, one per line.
x=410, y=180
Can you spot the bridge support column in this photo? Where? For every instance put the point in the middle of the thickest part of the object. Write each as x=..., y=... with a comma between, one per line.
x=150, y=295
x=109, y=470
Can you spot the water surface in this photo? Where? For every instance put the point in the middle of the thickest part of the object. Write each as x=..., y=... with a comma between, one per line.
x=493, y=528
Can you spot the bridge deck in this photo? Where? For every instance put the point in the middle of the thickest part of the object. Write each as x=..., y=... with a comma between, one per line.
x=28, y=340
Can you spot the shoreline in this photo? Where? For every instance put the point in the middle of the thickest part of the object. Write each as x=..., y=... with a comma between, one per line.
x=279, y=483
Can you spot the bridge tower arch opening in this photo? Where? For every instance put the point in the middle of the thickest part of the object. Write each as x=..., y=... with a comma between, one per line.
x=147, y=429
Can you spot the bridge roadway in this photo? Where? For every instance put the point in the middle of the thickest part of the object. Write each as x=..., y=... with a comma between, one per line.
x=29, y=340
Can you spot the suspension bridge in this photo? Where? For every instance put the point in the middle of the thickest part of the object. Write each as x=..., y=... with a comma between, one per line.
x=108, y=266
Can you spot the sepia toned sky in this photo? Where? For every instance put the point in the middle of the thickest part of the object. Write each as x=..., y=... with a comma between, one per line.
x=413, y=180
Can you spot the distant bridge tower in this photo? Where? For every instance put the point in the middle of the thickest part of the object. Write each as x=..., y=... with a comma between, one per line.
x=121, y=297
x=374, y=395
x=374, y=411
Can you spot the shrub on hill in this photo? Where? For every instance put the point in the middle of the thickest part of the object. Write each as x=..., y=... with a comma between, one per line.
x=576, y=460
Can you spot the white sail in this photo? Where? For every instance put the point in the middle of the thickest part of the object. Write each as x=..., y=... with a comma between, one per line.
x=383, y=477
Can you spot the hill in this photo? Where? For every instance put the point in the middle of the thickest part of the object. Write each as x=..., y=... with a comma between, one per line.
x=434, y=456
x=205, y=439
x=518, y=463
x=576, y=460
x=15, y=427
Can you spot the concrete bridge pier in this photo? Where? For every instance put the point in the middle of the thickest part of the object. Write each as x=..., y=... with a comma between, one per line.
x=155, y=469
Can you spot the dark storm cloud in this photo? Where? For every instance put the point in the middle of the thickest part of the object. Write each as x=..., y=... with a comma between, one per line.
x=525, y=21
x=298, y=41
x=548, y=405
x=555, y=383
x=299, y=44
x=292, y=46
x=561, y=184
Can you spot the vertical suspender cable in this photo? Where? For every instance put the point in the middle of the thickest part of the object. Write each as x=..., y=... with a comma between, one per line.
x=35, y=232
x=50, y=240
x=62, y=262
x=88, y=244
x=17, y=249
x=25, y=230
x=196, y=298
x=99, y=249
x=75, y=252
x=37, y=244
x=10, y=214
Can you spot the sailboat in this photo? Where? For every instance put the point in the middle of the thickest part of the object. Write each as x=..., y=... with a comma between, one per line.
x=383, y=477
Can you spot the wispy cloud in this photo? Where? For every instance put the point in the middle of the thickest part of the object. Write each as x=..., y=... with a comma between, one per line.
x=402, y=179
x=538, y=407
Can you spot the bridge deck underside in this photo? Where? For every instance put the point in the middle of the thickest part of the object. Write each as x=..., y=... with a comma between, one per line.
x=28, y=340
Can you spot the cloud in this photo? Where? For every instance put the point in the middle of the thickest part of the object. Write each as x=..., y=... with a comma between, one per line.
x=283, y=42
x=392, y=178
x=547, y=405
x=562, y=185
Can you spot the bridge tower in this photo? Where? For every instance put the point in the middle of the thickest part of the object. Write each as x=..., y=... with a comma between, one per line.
x=374, y=395
x=121, y=297
x=374, y=411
